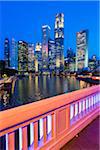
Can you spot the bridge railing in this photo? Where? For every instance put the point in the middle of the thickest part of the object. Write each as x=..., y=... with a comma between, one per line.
x=49, y=123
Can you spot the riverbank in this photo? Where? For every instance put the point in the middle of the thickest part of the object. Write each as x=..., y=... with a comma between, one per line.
x=91, y=80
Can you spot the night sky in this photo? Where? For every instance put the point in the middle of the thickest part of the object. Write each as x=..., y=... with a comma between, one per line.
x=23, y=21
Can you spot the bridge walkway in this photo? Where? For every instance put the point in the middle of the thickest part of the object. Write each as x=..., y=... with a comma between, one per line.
x=87, y=139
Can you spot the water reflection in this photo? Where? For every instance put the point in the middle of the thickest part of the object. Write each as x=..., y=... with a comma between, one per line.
x=30, y=89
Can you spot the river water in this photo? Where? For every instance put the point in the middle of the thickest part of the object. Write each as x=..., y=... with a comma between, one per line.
x=31, y=89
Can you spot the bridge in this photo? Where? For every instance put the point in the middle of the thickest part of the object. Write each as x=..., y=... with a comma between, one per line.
x=50, y=123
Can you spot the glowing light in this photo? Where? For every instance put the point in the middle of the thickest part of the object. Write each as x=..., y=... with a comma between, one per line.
x=31, y=133
x=36, y=65
x=48, y=124
x=58, y=62
x=6, y=141
x=20, y=138
x=71, y=111
x=41, y=127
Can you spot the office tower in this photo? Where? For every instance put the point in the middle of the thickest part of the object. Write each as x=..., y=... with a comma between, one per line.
x=82, y=50
x=45, y=39
x=22, y=56
x=14, y=54
x=59, y=41
x=71, y=64
x=70, y=54
x=52, y=55
x=31, y=58
x=2, y=67
x=38, y=56
x=93, y=63
x=7, y=53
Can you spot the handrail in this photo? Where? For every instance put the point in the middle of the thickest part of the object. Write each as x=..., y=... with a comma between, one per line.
x=23, y=113
x=57, y=119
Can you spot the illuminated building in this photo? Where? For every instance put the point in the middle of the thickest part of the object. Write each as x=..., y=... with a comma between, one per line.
x=22, y=56
x=93, y=63
x=38, y=56
x=82, y=50
x=45, y=39
x=2, y=67
x=71, y=65
x=14, y=54
x=31, y=57
x=70, y=54
x=7, y=53
x=59, y=41
x=52, y=55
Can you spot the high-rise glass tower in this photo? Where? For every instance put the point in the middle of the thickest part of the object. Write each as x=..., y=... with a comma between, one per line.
x=14, y=54
x=45, y=39
x=38, y=55
x=7, y=53
x=82, y=50
x=31, y=57
x=22, y=56
x=59, y=41
x=52, y=55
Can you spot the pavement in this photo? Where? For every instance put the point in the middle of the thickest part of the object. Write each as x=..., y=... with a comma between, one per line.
x=87, y=139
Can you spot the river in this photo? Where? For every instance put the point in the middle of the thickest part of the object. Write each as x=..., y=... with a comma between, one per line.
x=31, y=89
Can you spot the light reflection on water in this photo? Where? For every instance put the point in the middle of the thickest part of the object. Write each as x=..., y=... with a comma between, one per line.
x=30, y=89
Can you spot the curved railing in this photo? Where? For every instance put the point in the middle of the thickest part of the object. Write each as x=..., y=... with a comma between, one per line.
x=49, y=123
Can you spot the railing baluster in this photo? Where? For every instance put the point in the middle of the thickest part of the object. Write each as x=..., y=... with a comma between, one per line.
x=20, y=138
x=24, y=138
x=7, y=141
x=11, y=141
x=68, y=117
x=53, y=125
x=36, y=134
x=44, y=129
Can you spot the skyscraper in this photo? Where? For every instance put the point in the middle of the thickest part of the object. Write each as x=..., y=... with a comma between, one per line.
x=59, y=41
x=14, y=54
x=38, y=55
x=45, y=39
x=7, y=53
x=31, y=57
x=82, y=50
x=52, y=55
x=22, y=56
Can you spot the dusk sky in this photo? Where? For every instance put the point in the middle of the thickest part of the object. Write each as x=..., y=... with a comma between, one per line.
x=23, y=21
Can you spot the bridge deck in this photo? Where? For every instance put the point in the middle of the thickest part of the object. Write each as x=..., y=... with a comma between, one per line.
x=88, y=139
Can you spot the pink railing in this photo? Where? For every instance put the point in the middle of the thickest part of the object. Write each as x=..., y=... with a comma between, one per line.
x=49, y=123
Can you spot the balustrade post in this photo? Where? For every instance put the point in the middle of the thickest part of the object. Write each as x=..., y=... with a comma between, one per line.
x=53, y=125
x=68, y=116
x=74, y=110
x=78, y=108
x=44, y=129
x=24, y=138
x=85, y=104
x=11, y=141
x=35, y=135
x=56, y=123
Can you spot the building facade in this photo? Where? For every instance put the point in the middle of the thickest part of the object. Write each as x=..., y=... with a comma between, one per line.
x=82, y=50
x=22, y=56
x=52, y=55
x=7, y=53
x=45, y=51
x=31, y=58
x=38, y=57
x=14, y=54
x=59, y=41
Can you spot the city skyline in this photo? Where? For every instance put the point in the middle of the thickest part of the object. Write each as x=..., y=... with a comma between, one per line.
x=10, y=25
